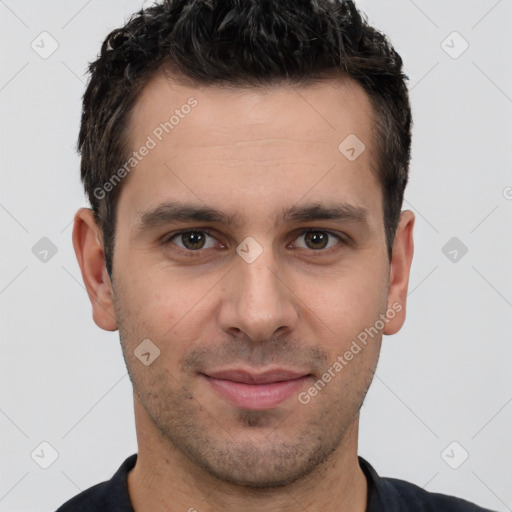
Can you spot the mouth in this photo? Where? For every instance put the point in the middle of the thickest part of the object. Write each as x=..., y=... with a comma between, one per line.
x=256, y=391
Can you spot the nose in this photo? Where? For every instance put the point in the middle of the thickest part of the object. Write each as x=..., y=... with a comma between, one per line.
x=258, y=303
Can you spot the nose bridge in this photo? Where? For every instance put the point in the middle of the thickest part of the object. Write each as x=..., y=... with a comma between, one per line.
x=258, y=303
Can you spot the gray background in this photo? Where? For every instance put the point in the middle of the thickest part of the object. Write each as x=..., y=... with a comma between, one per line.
x=444, y=378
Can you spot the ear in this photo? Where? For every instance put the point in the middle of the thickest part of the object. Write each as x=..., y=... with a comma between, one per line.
x=87, y=242
x=401, y=260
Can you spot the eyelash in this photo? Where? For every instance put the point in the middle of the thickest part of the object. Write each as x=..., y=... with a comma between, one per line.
x=198, y=252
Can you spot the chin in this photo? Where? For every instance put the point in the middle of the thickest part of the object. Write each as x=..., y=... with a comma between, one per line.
x=256, y=466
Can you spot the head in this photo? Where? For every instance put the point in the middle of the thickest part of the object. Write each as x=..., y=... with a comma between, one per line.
x=236, y=116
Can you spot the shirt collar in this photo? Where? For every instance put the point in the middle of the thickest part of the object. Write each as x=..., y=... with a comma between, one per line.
x=382, y=497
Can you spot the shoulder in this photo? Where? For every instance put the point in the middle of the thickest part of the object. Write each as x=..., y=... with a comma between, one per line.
x=416, y=498
x=88, y=500
x=109, y=496
x=394, y=495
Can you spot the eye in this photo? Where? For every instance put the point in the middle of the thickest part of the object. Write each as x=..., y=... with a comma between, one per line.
x=192, y=240
x=317, y=239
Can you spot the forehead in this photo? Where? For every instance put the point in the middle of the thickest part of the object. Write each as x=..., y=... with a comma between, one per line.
x=214, y=144
x=335, y=104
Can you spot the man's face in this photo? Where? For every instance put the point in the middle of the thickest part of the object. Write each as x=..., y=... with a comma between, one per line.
x=284, y=307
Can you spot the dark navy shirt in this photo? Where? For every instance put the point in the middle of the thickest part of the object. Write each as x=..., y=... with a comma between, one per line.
x=384, y=495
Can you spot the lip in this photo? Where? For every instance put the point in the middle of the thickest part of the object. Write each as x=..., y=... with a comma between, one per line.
x=256, y=391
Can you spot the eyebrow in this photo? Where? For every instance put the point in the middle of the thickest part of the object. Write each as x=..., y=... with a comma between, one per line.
x=171, y=212
x=331, y=211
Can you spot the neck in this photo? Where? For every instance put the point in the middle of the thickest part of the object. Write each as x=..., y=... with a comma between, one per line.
x=164, y=479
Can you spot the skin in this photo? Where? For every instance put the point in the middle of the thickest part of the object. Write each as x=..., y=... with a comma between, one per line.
x=252, y=153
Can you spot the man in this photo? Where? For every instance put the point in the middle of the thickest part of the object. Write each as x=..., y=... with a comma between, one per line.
x=246, y=163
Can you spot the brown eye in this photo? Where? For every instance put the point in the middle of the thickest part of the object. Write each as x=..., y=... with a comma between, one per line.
x=193, y=240
x=316, y=240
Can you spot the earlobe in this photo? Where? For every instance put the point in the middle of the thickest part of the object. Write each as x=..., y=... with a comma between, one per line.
x=91, y=259
x=403, y=249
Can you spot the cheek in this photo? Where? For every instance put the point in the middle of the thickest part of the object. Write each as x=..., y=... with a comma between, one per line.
x=349, y=300
x=171, y=309
x=162, y=298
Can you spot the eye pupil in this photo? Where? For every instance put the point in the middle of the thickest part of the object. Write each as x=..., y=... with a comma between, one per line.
x=316, y=237
x=193, y=240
